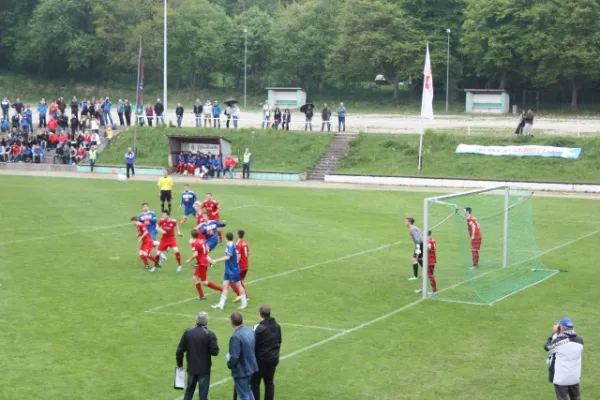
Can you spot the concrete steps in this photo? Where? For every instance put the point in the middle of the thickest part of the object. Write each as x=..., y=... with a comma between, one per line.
x=328, y=163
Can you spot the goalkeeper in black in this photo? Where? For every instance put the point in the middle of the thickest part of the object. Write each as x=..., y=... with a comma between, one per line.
x=417, y=238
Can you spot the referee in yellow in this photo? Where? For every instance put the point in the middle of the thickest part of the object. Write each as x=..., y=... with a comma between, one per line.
x=165, y=185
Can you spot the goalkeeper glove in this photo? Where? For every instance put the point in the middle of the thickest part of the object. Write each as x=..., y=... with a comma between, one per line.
x=418, y=250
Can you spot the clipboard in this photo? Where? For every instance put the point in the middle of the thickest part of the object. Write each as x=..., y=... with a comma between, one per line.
x=179, y=379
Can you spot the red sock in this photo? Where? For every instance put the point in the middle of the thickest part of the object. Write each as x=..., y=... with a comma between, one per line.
x=475, y=254
x=144, y=260
x=152, y=258
x=235, y=289
x=178, y=257
x=199, y=289
x=220, y=236
x=214, y=287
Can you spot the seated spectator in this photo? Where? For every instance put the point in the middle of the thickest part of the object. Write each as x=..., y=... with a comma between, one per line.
x=218, y=166
x=3, y=155
x=192, y=164
x=229, y=166
x=27, y=154
x=63, y=122
x=81, y=155
x=15, y=153
x=62, y=139
x=25, y=125
x=38, y=154
x=53, y=125
x=63, y=154
x=16, y=122
x=72, y=155
x=181, y=161
x=87, y=139
x=95, y=125
x=52, y=140
x=95, y=139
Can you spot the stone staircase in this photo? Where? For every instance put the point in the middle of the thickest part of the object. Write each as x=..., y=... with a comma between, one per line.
x=329, y=161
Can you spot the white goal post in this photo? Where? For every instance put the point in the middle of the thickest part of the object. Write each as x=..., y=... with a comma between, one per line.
x=444, y=200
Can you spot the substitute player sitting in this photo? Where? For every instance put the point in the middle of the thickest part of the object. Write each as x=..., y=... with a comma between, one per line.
x=188, y=199
x=146, y=243
x=475, y=235
x=417, y=238
x=212, y=208
x=231, y=275
x=201, y=272
x=168, y=226
x=431, y=262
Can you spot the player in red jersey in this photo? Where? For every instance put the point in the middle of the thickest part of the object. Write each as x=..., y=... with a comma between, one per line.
x=243, y=253
x=212, y=208
x=199, y=218
x=200, y=273
x=168, y=226
x=475, y=235
x=146, y=243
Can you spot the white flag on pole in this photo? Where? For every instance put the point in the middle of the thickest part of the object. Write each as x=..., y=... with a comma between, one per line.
x=427, y=102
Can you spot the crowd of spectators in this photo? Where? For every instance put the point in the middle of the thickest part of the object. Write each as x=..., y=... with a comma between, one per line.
x=205, y=165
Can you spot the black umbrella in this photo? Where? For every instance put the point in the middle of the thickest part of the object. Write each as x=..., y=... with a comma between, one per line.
x=306, y=106
x=231, y=101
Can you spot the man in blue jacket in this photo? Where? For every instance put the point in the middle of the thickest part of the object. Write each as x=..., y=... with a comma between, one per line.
x=241, y=359
x=42, y=110
x=216, y=111
x=106, y=115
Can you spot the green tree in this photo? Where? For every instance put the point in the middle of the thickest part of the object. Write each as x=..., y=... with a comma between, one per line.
x=376, y=37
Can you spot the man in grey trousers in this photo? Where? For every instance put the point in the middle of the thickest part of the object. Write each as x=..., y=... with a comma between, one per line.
x=200, y=345
x=241, y=359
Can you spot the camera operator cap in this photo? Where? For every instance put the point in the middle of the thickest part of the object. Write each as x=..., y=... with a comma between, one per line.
x=566, y=323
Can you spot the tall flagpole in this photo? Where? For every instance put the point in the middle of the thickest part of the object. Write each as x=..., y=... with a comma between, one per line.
x=137, y=97
x=165, y=63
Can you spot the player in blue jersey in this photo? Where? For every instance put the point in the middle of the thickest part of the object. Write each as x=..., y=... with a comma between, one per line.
x=209, y=229
x=149, y=219
x=231, y=275
x=188, y=198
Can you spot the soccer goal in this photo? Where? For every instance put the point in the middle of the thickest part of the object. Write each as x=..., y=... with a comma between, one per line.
x=508, y=259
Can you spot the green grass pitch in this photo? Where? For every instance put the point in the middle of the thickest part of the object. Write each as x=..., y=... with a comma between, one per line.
x=333, y=264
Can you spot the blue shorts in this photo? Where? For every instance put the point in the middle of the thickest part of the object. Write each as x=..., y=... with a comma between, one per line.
x=152, y=235
x=189, y=212
x=212, y=245
x=233, y=277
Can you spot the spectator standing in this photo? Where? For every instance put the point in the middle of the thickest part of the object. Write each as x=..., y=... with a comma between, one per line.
x=159, y=110
x=106, y=115
x=341, y=111
x=16, y=122
x=241, y=358
x=218, y=165
x=5, y=107
x=246, y=164
x=326, y=118
x=564, y=360
x=83, y=106
x=93, y=154
x=198, y=113
x=63, y=122
x=149, y=114
x=267, y=336
x=53, y=125
x=139, y=112
x=74, y=107
x=208, y=114
x=216, y=112
x=528, y=122
x=130, y=162
x=62, y=107
x=42, y=111
x=74, y=126
x=308, y=115
x=228, y=112
x=179, y=114
x=266, y=114
x=28, y=117
x=18, y=106
x=121, y=112
x=5, y=125
x=127, y=110
x=286, y=119
x=38, y=154
x=276, y=118
x=236, y=115
x=199, y=345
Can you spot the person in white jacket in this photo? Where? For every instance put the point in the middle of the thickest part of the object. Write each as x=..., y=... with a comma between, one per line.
x=564, y=361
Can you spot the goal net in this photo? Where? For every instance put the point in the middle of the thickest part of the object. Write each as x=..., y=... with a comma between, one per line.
x=508, y=259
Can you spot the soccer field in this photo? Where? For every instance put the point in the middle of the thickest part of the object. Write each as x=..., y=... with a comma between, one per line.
x=82, y=319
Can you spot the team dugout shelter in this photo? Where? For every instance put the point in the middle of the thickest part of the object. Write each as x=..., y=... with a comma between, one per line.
x=216, y=145
x=286, y=97
x=487, y=101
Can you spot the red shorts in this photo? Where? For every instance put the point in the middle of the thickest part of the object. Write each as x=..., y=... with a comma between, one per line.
x=476, y=243
x=243, y=273
x=201, y=272
x=215, y=217
x=166, y=243
x=147, y=247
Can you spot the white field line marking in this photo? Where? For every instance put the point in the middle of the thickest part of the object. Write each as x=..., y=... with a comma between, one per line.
x=390, y=314
x=526, y=287
x=211, y=317
x=99, y=228
x=291, y=271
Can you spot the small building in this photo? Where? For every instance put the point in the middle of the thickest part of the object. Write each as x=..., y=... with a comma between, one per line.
x=487, y=101
x=197, y=145
x=286, y=97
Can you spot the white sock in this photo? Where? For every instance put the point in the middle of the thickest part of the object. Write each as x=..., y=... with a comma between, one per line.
x=222, y=301
x=244, y=300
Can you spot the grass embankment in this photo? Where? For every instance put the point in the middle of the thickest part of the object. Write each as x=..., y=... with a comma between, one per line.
x=397, y=156
x=272, y=150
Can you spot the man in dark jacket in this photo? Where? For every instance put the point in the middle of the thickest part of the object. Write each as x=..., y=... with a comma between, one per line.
x=198, y=113
x=18, y=106
x=267, y=344
x=199, y=344
x=241, y=359
x=158, y=112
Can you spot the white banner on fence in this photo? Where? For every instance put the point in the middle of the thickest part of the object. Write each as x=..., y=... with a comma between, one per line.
x=520, y=151
x=203, y=148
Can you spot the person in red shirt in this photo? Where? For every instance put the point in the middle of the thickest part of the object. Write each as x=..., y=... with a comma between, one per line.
x=243, y=253
x=62, y=138
x=146, y=243
x=475, y=235
x=53, y=125
x=229, y=166
x=81, y=154
x=168, y=226
x=16, y=153
x=201, y=272
x=199, y=218
x=212, y=208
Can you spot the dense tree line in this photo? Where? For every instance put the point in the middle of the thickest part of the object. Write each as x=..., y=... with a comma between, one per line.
x=318, y=44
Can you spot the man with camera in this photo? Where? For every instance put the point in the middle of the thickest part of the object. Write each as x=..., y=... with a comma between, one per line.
x=564, y=360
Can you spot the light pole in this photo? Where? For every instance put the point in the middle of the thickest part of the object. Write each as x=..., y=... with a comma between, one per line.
x=165, y=62
x=448, y=69
x=245, y=62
